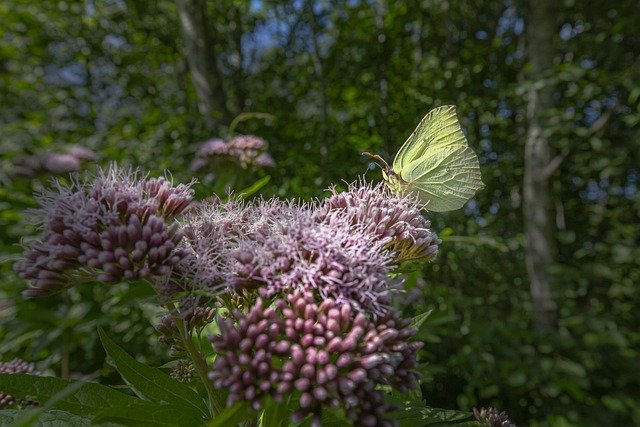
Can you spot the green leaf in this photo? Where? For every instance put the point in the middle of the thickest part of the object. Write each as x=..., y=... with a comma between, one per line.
x=414, y=413
x=151, y=383
x=50, y=418
x=149, y=414
x=29, y=417
x=418, y=320
x=334, y=417
x=275, y=414
x=144, y=413
x=85, y=399
x=232, y=415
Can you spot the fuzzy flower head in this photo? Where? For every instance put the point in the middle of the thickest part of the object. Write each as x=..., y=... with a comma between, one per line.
x=211, y=230
x=250, y=150
x=246, y=150
x=395, y=220
x=115, y=227
x=16, y=366
x=328, y=354
x=334, y=260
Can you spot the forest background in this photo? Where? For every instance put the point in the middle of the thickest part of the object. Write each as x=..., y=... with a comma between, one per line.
x=534, y=294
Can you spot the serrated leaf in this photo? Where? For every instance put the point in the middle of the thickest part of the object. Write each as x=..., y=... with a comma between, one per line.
x=145, y=413
x=50, y=418
x=418, y=320
x=152, y=383
x=233, y=415
x=414, y=413
x=425, y=416
x=87, y=399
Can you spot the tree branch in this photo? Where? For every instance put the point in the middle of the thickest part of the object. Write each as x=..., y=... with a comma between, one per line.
x=595, y=128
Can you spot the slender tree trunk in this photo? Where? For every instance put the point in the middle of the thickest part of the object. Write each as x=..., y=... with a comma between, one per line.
x=237, y=60
x=537, y=203
x=322, y=81
x=383, y=81
x=206, y=76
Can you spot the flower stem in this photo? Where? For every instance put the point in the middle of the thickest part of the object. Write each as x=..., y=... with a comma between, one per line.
x=215, y=402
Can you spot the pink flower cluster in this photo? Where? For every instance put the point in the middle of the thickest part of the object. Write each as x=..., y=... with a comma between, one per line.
x=117, y=227
x=56, y=163
x=395, y=220
x=329, y=354
x=296, y=252
x=322, y=273
x=245, y=150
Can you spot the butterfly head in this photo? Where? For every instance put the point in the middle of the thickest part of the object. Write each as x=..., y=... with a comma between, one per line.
x=394, y=181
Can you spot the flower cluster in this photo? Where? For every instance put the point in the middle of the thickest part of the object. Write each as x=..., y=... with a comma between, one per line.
x=308, y=285
x=117, y=227
x=246, y=150
x=491, y=417
x=184, y=371
x=396, y=220
x=16, y=366
x=56, y=163
x=328, y=353
x=294, y=251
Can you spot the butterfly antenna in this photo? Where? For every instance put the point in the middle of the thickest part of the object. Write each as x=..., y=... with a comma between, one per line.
x=381, y=162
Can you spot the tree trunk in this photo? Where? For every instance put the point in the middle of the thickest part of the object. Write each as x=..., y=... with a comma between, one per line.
x=539, y=247
x=322, y=81
x=207, y=79
x=381, y=71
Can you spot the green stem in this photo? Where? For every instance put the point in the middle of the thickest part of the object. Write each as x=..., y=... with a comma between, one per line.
x=215, y=402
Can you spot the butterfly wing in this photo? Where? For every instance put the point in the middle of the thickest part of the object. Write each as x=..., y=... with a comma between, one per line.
x=449, y=178
x=437, y=164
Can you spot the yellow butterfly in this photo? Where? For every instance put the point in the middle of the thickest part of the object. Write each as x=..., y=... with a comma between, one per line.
x=435, y=163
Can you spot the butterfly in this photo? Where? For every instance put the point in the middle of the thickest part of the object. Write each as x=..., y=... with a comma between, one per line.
x=435, y=163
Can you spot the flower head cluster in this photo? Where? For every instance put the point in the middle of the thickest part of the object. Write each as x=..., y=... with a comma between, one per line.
x=117, y=227
x=246, y=150
x=491, y=417
x=395, y=220
x=212, y=229
x=56, y=163
x=16, y=366
x=293, y=252
x=330, y=354
x=249, y=150
x=194, y=312
x=184, y=371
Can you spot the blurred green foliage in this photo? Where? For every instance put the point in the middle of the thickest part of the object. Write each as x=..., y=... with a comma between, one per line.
x=112, y=76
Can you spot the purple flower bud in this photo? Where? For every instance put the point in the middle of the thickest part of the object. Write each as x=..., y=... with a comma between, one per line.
x=371, y=361
x=302, y=384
